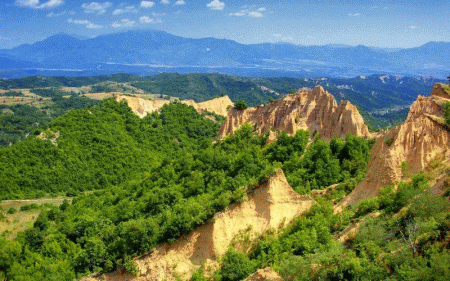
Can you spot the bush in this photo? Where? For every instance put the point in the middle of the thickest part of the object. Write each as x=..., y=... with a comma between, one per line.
x=366, y=206
x=240, y=105
x=12, y=211
x=29, y=207
x=235, y=266
x=389, y=141
x=130, y=266
x=446, y=107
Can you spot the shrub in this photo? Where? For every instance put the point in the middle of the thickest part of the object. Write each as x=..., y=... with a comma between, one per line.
x=235, y=266
x=389, y=141
x=366, y=206
x=28, y=207
x=446, y=107
x=12, y=211
x=240, y=105
x=130, y=266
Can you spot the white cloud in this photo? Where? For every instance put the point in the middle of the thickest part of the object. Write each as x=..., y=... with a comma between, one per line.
x=287, y=38
x=36, y=4
x=129, y=9
x=52, y=15
x=95, y=7
x=413, y=27
x=86, y=23
x=282, y=37
x=5, y=38
x=354, y=15
x=158, y=14
x=165, y=2
x=147, y=4
x=255, y=14
x=237, y=14
x=123, y=23
x=216, y=5
x=145, y=19
x=180, y=2
x=249, y=12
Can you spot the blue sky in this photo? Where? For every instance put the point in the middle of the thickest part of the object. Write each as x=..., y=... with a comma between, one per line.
x=379, y=23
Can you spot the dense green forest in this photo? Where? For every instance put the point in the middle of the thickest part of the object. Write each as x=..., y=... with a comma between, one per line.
x=18, y=121
x=157, y=178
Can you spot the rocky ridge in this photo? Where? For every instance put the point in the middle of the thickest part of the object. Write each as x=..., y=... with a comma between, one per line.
x=423, y=137
x=141, y=107
x=272, y=204
x=314, y=110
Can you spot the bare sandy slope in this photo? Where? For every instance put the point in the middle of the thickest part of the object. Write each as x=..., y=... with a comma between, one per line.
x=266, y=274
x=141, y=107
x=270, y=205
x=420, y=140
x=314, y=110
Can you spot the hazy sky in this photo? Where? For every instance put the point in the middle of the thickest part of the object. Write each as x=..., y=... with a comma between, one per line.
x=379, y=23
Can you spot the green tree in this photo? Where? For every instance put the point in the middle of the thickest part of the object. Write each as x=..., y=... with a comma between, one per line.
x=240, y=105
x=235, y=266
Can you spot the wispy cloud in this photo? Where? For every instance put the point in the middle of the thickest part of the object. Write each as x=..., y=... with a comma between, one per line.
x=180, y=2
x=147, y=4
x=52, y=14
x=165, y=2
x=251, y=12
x=128, y=9
x=354, y=14
x=5, y=38
x=413, y=27
x=145, y=19
x=281, y=37
x=238, y=14
x=36, y=4
x=255, y=14
x=216, y=5
x=86, y=23
x=95, y=7
x=123, y=23
x=158, y=14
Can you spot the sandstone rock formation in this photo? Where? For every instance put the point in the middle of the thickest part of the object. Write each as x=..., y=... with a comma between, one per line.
x=142, y=107
x=314, y=110
x=423, y=136
x=266, y=274
x=270, y=205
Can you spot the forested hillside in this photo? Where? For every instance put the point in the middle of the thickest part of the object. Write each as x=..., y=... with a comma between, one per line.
x=158, y=177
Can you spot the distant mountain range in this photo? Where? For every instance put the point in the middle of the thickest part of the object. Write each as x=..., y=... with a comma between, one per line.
x=147, y=52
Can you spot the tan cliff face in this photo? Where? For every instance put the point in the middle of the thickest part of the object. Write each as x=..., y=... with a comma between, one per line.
x=314, y=110
x=272, y=204
x=142, y=107
x=423, y=136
